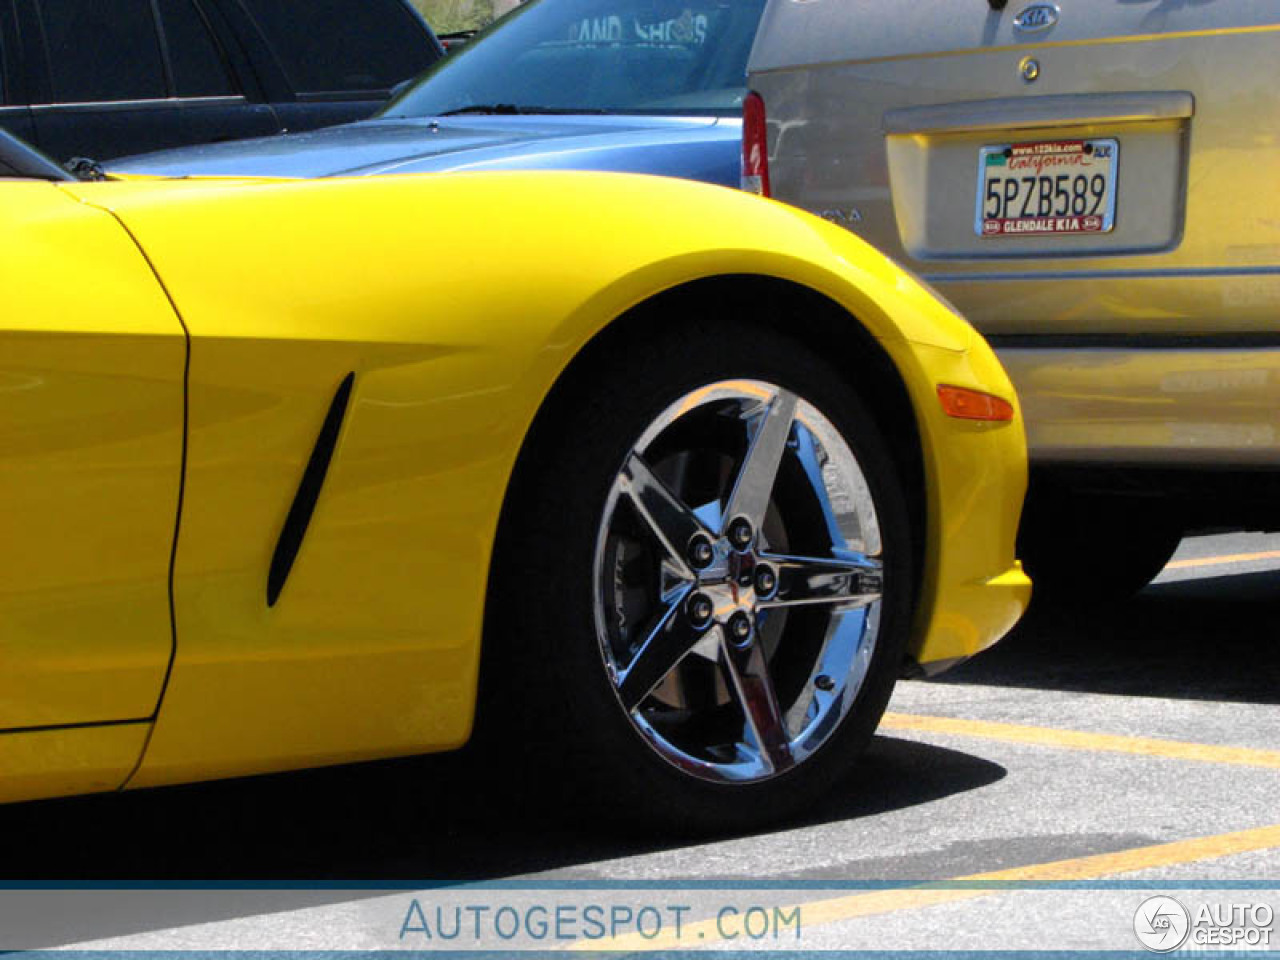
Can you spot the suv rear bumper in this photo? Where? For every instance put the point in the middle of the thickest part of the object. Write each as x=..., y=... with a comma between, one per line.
x=1135, y=404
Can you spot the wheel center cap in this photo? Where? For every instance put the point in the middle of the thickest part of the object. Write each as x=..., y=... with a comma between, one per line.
x=734, y=576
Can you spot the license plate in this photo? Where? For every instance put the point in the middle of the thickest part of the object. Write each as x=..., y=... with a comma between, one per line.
x=1046, y=188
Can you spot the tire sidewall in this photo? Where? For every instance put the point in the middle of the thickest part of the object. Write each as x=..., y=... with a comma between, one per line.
x=600, y=422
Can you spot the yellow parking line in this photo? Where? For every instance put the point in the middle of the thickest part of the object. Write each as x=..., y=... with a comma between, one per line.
x=1098, y=866
x=1228, y=558
x=1075, y=740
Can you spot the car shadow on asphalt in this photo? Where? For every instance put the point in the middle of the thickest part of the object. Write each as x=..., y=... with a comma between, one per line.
x=429, y=820
x=338, y=835
x=1210, y=639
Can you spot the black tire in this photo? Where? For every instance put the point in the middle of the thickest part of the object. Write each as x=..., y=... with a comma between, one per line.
x=554, y=620
x=1093, y=549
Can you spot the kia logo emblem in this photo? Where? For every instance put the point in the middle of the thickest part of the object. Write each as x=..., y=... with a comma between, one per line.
x=1038, y=16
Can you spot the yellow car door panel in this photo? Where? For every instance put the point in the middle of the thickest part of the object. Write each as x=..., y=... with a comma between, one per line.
x=91, y=426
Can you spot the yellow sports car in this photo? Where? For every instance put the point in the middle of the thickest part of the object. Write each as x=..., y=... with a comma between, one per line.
x=681, y=479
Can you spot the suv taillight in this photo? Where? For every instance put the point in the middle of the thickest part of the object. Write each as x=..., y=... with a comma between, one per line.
x=755, y=146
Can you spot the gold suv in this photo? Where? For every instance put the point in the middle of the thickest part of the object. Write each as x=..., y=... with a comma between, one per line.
x=1093, y=183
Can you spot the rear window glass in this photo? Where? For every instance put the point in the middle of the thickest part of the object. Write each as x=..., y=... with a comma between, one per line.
x=339, y=46
x=612, y=56
x=102, y=51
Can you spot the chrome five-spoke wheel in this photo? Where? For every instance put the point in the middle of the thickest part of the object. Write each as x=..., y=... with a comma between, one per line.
x=738, y=581
x=703, y=587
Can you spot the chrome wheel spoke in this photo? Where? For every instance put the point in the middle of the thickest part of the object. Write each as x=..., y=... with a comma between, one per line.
x=672, y=523
x=754, y=484
x=739, y=501
x=807, y=580
x=752, y=686
x=807, y=454
x=666, y=644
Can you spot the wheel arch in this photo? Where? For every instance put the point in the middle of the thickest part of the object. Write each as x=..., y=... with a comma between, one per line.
x=799, y=312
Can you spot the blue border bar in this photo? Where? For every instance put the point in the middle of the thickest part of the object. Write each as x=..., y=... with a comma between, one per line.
x=831, y=886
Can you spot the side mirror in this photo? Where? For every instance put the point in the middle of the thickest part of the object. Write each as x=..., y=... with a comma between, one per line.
x=20, y=159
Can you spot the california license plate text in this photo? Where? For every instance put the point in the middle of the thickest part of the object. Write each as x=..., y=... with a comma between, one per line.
x=1047, y=187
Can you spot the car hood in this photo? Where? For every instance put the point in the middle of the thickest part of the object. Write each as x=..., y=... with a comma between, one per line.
x=399, y=145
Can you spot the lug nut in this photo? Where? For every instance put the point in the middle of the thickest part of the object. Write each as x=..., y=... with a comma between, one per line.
x=701, y=553
x=739, y=627
x=766, y=582
x=740, y=533
x=700, y=609
x=824, y=683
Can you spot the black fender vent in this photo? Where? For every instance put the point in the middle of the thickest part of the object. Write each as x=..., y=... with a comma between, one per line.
x=304, y=501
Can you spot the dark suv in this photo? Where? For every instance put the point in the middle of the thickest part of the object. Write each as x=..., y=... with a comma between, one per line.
x=103, y=78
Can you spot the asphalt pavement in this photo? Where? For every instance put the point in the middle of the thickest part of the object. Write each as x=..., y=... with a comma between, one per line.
x=1121, y=750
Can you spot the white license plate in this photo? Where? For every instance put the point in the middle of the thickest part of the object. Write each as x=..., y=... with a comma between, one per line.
x=1046, y=188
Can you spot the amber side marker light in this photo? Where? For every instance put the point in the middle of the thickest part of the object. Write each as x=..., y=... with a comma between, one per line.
x=973, y=404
